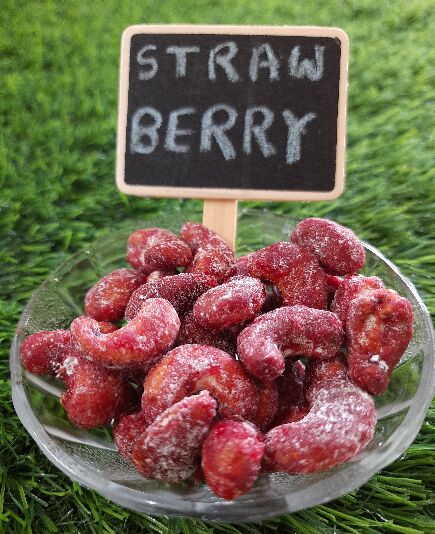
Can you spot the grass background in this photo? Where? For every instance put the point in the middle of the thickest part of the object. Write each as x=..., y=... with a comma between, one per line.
x=58, y=95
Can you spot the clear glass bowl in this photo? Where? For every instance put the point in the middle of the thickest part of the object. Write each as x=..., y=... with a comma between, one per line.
x=90, y=458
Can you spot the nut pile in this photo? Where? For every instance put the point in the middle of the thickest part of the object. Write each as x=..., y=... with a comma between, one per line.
x=211, y=368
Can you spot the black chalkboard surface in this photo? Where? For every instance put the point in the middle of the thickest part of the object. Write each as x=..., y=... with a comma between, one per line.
x=232, y=112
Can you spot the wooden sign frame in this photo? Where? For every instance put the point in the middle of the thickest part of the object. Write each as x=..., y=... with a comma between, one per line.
x=218, y=194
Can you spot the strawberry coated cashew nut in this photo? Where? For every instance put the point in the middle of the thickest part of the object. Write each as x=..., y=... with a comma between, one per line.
x=292, y=330
x=151, y=332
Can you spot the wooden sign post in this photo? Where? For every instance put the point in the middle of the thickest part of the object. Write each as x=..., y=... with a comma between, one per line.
x=228, y=113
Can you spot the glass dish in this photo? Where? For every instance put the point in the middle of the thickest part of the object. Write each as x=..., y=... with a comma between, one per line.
x=90, y=458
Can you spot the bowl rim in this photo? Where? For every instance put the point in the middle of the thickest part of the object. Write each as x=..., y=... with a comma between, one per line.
x=331, y=487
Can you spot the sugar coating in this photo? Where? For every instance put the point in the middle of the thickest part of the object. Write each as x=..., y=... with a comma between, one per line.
x=108, y=298
x=291, y=330
x=156, y=248
x=152, y=331
x=379, y=328
x=336, y=247
x=339, y=425
x=231, y=303
x=231, y=458
x=351, y=287
x=180, y=290
x=295, y=272
x=189, y=369
x=169, y=448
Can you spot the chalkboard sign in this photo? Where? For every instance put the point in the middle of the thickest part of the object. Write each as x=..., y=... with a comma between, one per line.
x=232, y=112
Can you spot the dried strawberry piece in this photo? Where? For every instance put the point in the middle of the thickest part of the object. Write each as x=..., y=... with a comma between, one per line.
x=196, y=235
x=214, y=258
x=155, y=248
x=152, y=332
x=267, y=404
x=169, y=448
x=231, y=458
x=160, y=273
x=351, y=287
x=318, y=371
x=180, y=290
x=188, y=369
x=232, y=303
x=336, y=247
x=127, y=429
x=292, y=330
x=108, y=298
x=192, y=333
x=43, y=352
x=339, y=425
x=379, y=328
x=295, y=272
x=94, y=393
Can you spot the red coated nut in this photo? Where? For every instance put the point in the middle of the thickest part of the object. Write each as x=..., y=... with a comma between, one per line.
x=188, y=369
x=319, y=371
x=379, y=328
x=214, y=258
x=339, y=425
x=231, y=458
x=295, y=271
x=267, y=404
x=108, y=298
x=192, y=333
x=336, y=247
x=126, y=431
x=169, y=448
x=180, y=290
x=152, y=332
x=196, y=235
x=352, y=286
x=234, y=302
x=291, y=385
x=156, y=248
x=93, y=393
x=292, y=330
x=43, y=352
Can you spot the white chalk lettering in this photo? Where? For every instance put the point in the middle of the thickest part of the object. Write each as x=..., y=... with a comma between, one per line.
x=295, y=130
x=150, y=61
x=210, y=129
x=173, y=131
x=216, y=57
x=271, y=62
x=258, y=131
x=180, y=53
x=138, y=131
x=312, y=69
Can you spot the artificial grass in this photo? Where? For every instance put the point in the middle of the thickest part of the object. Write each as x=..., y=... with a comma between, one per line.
x=58, y=93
